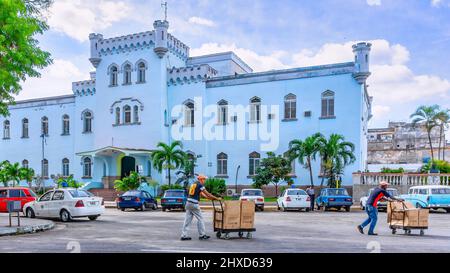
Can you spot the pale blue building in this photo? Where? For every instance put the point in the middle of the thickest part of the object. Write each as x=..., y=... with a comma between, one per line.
x=146, y=89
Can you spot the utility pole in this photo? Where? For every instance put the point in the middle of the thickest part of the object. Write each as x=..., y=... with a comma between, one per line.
x=237, y=173
x=164, y=4
x=42, y=161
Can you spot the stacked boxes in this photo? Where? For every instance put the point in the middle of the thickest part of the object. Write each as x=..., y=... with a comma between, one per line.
x=405, y=215
x=236, y=215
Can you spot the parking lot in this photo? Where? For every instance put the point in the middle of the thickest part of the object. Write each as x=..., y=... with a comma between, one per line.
x=157, y=231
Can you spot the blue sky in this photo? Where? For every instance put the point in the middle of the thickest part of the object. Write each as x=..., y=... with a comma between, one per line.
x=411, y=40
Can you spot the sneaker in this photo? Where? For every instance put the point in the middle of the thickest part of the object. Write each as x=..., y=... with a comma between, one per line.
x=373, y=234
x=186, y=238
x=204, y=237
x=360, y=229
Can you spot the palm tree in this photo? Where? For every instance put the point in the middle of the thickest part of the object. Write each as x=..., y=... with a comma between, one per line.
x=443, y=121
x=27, y=174
x=4, y=175
x=168, y=157
x=131, y=182
x=14, y=172
x=336, y=154
x=305, y=151
x=426, y=115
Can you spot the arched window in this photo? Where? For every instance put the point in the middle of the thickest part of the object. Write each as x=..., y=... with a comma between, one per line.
x=290, y=106
x=25, y=164
x=141, y=72
x=189, y=114
x=25, y=133
x=328, y=104
x=44, y=168
x=87, y=167
x=65, y=167
x=127, y=74
x=222, y=110
x=117, y=115
x=113, y=75
x=44, y=126
x=87, y=122
x=127, y=114
x=136, y=114
x=222, y=164
x=6, y=129
x=253, y=164
x=65, y=125
x=255, y=109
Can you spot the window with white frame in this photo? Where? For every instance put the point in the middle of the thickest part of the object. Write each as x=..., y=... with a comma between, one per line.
x=25, y=124
x=189, y=114
x=113, y=75
x=117, y=115
x=87, y=122
x=25, y=164
x=141, y=72
x=65, y=125
x=255, y=109
x=328, y=104
x=44, y=126
x=136, y=114
x=253, y=164
x=290, y=106
x=65, y=167
x=126, y=114
x=6, y=129
x=127, y=74
x=87, y=167
x=222, y=164
x=222, y=112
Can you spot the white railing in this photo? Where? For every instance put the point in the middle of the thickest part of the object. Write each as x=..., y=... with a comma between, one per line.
x=401, y=179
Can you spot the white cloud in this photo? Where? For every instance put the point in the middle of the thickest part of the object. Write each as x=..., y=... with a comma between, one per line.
x=436, y=3
x=374, y=2
x=78, y=18
x=378, y=110
x=55, y=80
x=202, y=21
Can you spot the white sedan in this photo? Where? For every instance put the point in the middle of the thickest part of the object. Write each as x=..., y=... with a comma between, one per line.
x=294, y=199
x=65, y=204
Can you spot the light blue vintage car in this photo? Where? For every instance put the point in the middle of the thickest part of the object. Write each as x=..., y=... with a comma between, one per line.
x=432, y=196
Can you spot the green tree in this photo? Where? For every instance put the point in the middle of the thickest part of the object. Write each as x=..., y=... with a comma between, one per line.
x=187, y=173
x=305, y=152
x=273, y=169
x=14, y=173
x=442, y=121
x=216, y=186
x=169, y=157
x=4, y=174
x=426, y=115
x=27, y=174
x=336, y=154
x=20, y=55
x=131, y=182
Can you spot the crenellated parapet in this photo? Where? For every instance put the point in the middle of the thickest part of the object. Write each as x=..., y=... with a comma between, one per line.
x=84, y=88
x=127, y=43
x=177, y=48
x=192, y=74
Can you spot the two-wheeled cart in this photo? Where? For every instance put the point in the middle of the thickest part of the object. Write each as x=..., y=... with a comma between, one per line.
x=402, y=219
x=224, y=233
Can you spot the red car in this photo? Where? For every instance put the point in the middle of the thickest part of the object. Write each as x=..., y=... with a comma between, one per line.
x=22, y=194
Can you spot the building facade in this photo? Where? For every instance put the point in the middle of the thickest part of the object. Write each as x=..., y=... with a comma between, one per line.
x=403, y=145
x=147, y=89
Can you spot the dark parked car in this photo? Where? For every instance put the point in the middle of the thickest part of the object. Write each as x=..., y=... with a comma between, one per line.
x=173, y=199
x=138, y=200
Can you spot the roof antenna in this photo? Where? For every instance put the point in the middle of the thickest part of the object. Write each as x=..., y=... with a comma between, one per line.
x=164, y=4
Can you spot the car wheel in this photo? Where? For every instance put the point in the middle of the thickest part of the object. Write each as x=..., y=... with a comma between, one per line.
x=64, y=215
x=154, y=206
x=30, y=213
x=283, y=208
x=307, y=209
x=144, y=206
x=122, y=209
x=93, y=218
x=447, y=210
x=347, y=209
x=262, y=208
x=163, y=209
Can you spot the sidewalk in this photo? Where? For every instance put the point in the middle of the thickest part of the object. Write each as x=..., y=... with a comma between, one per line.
x=26, y=225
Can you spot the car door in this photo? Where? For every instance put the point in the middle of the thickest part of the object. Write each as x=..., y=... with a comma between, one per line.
x=55, y=204
x=4, y=200
x=42, y=206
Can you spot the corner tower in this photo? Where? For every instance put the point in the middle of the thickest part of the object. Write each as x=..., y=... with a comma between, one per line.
x=362, y=58
x=161, y=29
x=95, y=56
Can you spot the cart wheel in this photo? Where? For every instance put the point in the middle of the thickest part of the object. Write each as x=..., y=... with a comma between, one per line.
x=241, y=234
x=394, y=231
x=218, y=234
x=249, y=235
x=422, y=232
x=227, y=236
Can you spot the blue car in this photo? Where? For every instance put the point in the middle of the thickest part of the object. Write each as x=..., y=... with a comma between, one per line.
x=174, y=199
x=431, y=196
x=334, y=198
x=138, y=200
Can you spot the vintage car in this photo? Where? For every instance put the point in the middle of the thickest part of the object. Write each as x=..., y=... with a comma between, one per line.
x=174, y=199
x=337, y=198
x=431, y=196
x=22, y=194
x=382, y=205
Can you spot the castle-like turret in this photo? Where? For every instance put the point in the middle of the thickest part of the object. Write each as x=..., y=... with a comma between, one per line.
x=362, y=58
x=95, y=56
x=161, y=32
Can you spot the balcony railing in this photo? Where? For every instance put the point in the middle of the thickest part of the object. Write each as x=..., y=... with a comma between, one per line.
x=401, y=179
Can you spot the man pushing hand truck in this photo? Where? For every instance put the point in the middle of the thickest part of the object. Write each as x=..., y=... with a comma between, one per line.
x=196, y=190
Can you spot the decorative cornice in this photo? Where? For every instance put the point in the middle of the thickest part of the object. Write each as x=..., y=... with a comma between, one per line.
x=84, y=88
x=187, y=75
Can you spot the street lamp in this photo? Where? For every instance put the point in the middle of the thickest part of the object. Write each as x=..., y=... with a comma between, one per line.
x=43, y=157
x=237, y=173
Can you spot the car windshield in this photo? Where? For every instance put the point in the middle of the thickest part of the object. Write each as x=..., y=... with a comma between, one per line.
x=393, y=192
x=132, y=193
x=440, y=191
x=174, y=194
x=337, y=192
x=80, y=193
x=296, y=192
x=252, y=193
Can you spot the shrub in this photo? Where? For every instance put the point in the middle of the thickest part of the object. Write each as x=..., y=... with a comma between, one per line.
x=166, y=187
x=441, y=165
x=216, y=186
x=388, y=170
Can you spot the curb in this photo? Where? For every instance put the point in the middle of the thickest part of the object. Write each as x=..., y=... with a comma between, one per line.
x=9, y=231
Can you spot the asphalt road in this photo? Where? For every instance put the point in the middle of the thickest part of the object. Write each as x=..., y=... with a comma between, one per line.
x=156, y=231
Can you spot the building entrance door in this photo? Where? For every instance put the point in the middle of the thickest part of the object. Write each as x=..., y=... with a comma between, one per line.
x=128, y=166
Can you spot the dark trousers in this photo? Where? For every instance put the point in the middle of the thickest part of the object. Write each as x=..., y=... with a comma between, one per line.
x=313, y=199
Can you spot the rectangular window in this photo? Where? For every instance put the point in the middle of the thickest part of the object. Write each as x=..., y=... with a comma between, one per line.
x=255, y=113
x=223, y=115
x=253, y=165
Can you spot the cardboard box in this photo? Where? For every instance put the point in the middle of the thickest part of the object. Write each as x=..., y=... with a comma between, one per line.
x=406, y=215
x=247, y=214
